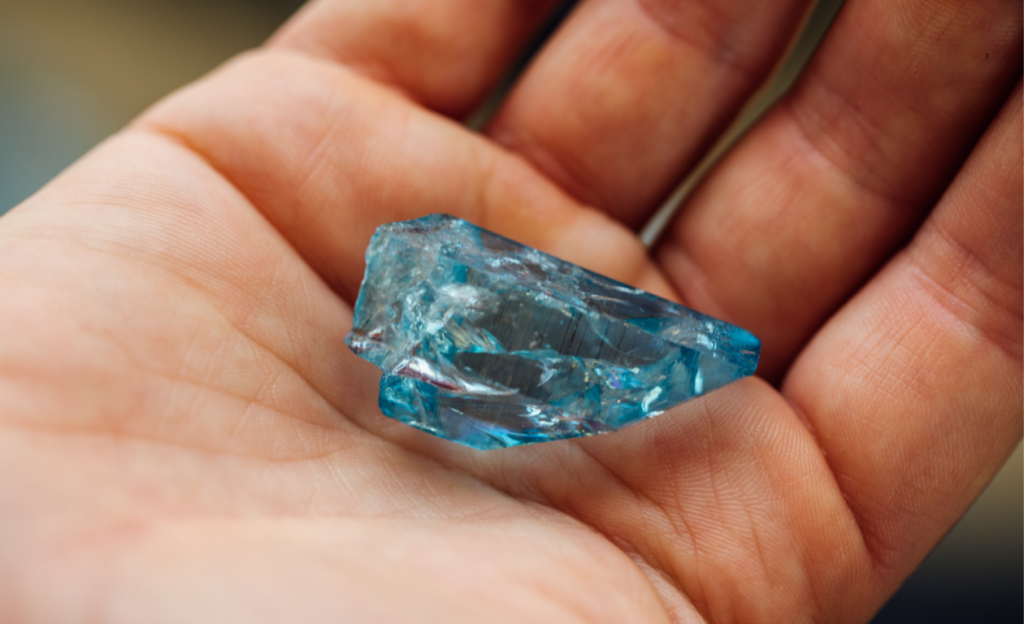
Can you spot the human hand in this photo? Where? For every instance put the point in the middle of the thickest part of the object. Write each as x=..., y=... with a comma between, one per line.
x=185, y=437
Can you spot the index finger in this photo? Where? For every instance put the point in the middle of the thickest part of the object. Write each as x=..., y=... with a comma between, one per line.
x=444, y=54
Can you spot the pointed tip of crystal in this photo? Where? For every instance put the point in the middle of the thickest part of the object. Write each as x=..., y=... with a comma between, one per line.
x=490, y=343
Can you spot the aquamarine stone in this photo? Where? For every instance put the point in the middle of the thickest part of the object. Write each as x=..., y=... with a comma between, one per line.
x=491, y=343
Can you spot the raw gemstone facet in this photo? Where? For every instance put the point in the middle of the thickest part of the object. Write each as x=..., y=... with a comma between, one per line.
x=491, y=343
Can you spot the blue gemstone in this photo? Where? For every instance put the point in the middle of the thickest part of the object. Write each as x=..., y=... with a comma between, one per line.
x=491, y=343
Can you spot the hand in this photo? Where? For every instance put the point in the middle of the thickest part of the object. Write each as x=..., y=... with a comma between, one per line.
x=184, y=436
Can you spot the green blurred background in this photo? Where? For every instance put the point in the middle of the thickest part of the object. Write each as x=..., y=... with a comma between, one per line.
x=74, y=71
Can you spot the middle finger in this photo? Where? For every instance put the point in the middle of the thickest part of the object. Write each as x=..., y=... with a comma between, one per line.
x=630, y=92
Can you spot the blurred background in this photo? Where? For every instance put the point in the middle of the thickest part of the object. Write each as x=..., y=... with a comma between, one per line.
x=74, y=71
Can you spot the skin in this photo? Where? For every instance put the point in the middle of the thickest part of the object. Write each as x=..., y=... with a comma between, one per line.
x=184, y=436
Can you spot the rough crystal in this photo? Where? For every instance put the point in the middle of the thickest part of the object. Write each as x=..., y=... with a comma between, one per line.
x=491, y=343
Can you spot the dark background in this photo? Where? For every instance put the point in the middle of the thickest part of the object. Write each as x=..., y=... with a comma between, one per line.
x=74, y=71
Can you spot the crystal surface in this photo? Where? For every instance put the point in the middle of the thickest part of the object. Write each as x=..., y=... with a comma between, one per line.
x=491, y=343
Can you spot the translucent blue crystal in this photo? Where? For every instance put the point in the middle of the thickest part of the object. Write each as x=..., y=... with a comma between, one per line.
x=491, y=343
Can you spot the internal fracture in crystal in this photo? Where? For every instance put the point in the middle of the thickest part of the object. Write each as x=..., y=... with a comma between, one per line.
x=490, y=343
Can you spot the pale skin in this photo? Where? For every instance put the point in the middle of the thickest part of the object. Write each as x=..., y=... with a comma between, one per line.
x=184, y=436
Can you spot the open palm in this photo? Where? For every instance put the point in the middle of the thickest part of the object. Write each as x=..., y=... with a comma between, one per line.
x=184, y=436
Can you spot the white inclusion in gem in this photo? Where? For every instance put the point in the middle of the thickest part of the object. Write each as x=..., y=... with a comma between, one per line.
x=704, y=339
x=423, y=370
x=548, y=372
x=535, y=413
x=698, y=382
x=468, y=337
x=463, y=295
x=651, y=397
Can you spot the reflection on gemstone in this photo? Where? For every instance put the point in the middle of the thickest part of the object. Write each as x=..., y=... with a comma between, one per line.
x=491, y=343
